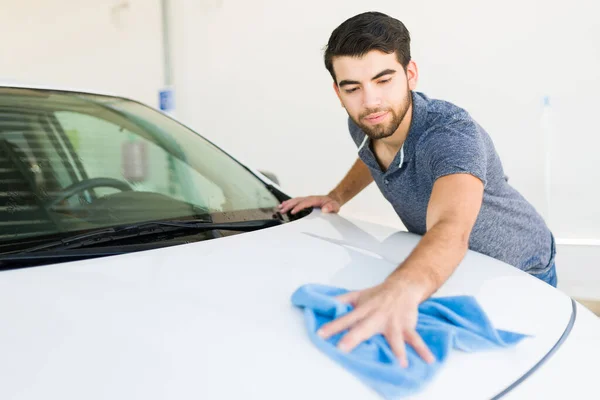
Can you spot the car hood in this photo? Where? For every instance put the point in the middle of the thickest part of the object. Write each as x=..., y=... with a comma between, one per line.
x=213, y=320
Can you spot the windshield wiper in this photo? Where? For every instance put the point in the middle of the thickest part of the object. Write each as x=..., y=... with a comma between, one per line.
x=113, y=234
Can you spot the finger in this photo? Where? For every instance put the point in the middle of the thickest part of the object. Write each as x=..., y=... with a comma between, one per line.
x=349, y=298
x=284, y=206
x=396, y=341
x=417, y=343
x=288, y=201
x=288, y=204
x=327, y=208
x=300, y=206
x=338, y=325
x=294, y=203
x=330, y=206
x=362, y=331
x=308, y=202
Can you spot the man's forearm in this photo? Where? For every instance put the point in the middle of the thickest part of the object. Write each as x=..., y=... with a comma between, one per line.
x=358, y=178
x=434, y=259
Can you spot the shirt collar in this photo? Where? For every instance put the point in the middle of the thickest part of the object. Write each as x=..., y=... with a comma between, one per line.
x=417, y=124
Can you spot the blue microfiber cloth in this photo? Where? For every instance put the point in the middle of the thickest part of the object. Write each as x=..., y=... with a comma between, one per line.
x=444, y=323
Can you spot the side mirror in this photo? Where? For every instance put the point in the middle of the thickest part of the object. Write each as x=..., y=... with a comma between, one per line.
x=271, y=176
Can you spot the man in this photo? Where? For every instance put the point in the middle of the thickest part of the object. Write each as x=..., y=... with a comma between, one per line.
x=439, y=170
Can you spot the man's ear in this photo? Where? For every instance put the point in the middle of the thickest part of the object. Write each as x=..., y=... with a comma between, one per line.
x=412, y=75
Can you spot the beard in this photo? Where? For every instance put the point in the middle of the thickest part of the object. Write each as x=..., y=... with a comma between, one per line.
x=384, y=130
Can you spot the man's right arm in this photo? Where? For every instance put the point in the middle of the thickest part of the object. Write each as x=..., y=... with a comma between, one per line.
x=357, y=178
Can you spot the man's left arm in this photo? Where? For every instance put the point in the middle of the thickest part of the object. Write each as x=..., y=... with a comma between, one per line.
x=391, y=308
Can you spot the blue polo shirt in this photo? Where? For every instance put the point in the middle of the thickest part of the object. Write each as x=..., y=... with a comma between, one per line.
x=443, y=139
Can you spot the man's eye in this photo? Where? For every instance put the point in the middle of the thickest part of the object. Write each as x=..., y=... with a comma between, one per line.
x=351, y=90
x=385, y=80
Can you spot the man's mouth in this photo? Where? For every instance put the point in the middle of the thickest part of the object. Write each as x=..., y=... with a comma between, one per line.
x=376, y=117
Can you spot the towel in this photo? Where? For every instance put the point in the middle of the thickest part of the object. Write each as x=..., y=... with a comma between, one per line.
x=444, y=323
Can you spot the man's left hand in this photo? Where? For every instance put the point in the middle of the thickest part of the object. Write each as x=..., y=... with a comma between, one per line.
x=390, y=309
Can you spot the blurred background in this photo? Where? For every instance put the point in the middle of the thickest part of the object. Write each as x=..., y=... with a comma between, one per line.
x=249, y=76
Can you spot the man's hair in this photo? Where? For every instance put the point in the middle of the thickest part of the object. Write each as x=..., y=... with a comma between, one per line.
x=366, y=32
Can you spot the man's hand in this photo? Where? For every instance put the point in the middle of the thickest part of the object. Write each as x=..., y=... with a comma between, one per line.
x=391, y=309
x=326, y=203
x=353, y=183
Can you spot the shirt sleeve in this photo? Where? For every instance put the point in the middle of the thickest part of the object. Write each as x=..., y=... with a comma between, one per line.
x=456, y=147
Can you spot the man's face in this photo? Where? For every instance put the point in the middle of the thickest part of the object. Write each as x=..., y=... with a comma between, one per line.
x=375, y=91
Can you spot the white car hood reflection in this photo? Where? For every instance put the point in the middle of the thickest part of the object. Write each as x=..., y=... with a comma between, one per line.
x=213, y=320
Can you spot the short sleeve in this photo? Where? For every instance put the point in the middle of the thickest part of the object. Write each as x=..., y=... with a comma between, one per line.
x=456, y=147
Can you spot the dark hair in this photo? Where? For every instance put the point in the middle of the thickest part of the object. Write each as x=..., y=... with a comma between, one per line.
x=365, y=32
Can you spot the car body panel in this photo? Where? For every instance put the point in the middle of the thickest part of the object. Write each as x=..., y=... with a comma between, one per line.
x=214, y=320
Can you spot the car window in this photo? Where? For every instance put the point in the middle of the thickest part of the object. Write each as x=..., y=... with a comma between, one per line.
x=72, y=161
x=108, y=150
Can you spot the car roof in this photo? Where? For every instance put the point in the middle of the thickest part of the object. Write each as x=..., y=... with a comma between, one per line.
x=30, y=85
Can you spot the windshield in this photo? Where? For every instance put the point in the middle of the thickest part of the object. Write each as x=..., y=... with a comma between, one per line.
x=72, y=161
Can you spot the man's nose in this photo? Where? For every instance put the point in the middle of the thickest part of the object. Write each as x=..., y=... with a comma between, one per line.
x=371, y=97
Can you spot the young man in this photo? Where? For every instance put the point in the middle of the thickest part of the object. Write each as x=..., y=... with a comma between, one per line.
x=439, y=170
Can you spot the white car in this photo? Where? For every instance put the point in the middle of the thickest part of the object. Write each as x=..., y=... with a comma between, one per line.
x=140, y=261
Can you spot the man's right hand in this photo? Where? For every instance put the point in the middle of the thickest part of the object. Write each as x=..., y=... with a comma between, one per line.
x=326, y=203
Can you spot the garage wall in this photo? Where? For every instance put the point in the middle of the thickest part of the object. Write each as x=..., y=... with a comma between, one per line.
x=250, y=76
x=110, y=45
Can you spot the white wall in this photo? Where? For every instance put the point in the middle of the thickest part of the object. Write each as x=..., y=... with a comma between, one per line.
x=109, y=45
x=249, y=75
